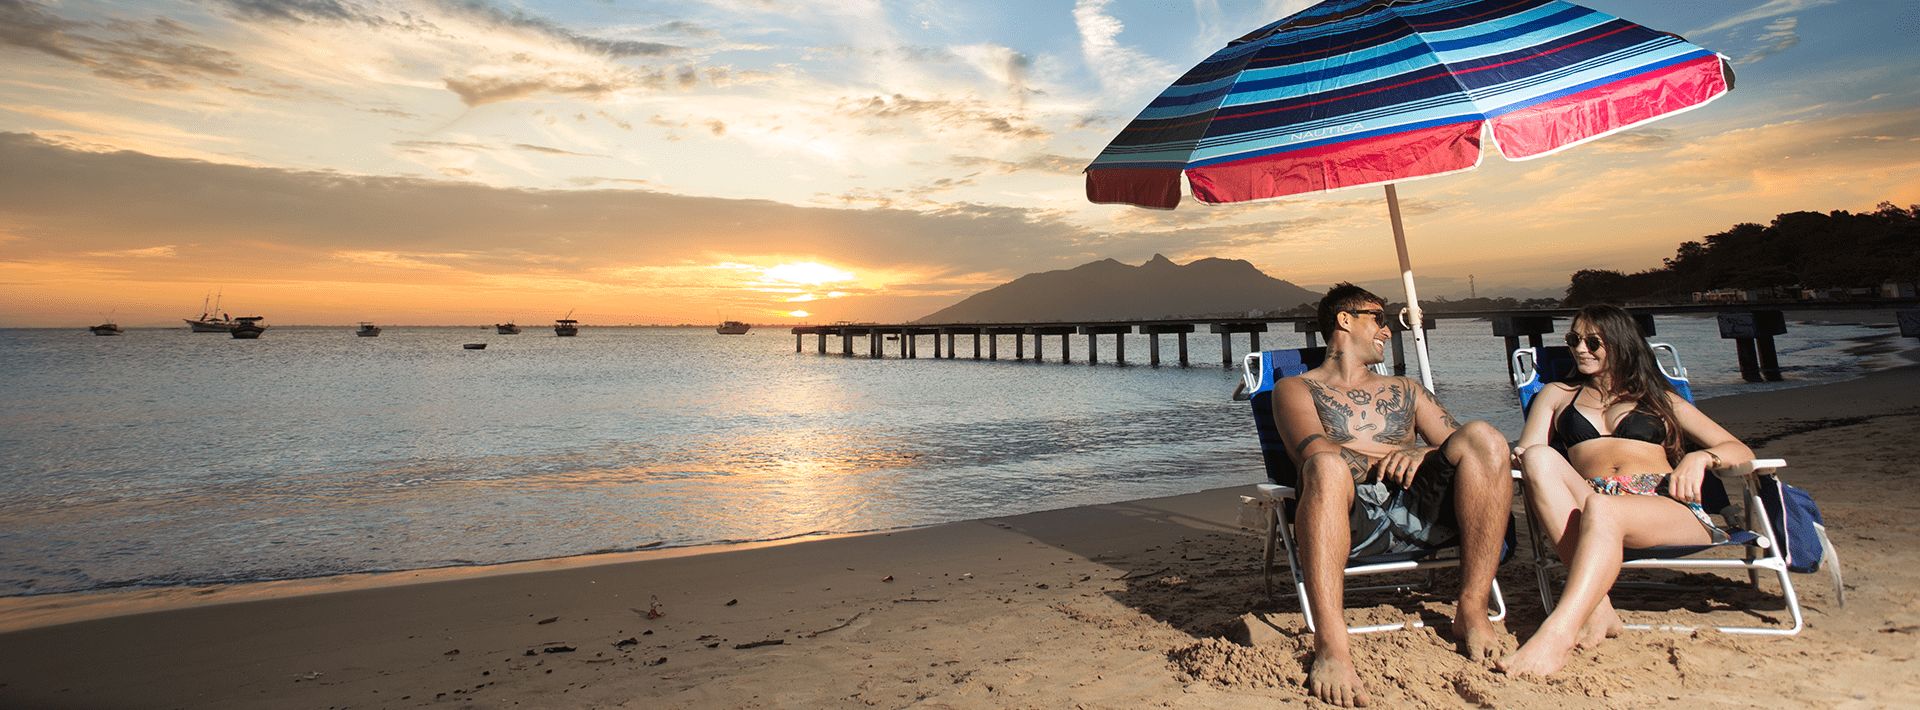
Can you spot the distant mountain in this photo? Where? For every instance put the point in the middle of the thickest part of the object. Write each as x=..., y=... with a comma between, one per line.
x=1110, y=290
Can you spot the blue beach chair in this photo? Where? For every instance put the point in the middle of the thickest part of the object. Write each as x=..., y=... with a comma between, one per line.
x=1534, y=368
x=1275, y=500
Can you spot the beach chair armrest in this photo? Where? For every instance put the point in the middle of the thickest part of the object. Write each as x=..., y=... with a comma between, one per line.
x=1755, y=467
x=1276, y=492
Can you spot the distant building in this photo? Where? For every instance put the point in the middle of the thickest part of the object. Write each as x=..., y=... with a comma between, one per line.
x=1729, y=295
x=1896, y=289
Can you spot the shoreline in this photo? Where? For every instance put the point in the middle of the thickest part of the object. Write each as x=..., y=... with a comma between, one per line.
x=1106, y=605
x=27, y=611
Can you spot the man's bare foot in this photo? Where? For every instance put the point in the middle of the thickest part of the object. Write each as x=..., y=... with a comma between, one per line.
x=1333, y=681
x=1542, y=656
x=1603, y=624
x=1477, y=637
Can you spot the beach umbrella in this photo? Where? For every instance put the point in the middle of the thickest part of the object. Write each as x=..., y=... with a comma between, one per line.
x=1350, y=93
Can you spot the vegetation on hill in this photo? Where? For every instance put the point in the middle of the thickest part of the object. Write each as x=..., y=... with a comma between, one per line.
x=1838, y=249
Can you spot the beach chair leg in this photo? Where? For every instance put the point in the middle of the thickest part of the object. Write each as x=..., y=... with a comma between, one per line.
x=1540, y=563
x=1293, y=564
x=1266, y=559
x=1753, y=500
x=1499, y=604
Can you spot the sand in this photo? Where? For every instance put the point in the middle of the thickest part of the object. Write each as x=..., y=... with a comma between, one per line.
x=1143, y=603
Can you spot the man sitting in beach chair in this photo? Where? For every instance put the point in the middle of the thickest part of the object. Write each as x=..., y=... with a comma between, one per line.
x=1351, y=432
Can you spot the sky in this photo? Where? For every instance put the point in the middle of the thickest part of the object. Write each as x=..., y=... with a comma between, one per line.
x=794, y=161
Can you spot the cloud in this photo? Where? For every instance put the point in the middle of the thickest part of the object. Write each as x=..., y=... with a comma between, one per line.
x=52, y=194
x=517, y=19
x=163, y=251
x=1773, y=8
x=1042, y=162
x=27, y=25
x=552, y=151
x=478, y=91
x=938, y=112
x=140, y=53
x=1122, y=70
x=1778, y=36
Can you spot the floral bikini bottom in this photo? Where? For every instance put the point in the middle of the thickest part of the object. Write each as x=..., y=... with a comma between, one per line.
x=1653, y=484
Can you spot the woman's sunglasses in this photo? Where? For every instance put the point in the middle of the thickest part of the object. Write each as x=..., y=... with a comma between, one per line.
x=1594, y=343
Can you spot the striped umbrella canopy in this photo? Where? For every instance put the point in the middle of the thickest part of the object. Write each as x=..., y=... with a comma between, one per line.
x=1350, y=93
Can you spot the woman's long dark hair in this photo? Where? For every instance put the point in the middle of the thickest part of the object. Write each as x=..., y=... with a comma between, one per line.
x=1635, y=371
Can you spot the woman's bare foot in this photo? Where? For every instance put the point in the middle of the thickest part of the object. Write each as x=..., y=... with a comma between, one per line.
x=1542, y=655
x=1603, y=624
x=1333, y=681
x=1477, y=637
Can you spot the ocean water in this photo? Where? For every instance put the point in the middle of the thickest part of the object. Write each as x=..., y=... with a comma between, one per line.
x=163, y=457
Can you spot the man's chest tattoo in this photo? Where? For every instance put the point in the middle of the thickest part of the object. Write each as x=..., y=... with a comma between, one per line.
x=1383, y=414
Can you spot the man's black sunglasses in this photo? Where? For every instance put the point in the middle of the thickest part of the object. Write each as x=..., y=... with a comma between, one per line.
x=1379, y=315
x=1594, y=343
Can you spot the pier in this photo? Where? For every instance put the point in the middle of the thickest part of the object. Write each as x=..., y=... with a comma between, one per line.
x=1752, y=327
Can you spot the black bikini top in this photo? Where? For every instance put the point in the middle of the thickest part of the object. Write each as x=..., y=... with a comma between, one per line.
x=1574, y=428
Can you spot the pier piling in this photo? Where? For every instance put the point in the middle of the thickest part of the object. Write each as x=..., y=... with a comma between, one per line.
x=1512, y=327
x=1909, y=323
x=1226, y=329
x=1093, y=333
x=1752, y=335
x=1311, y=329
x=1154, y=331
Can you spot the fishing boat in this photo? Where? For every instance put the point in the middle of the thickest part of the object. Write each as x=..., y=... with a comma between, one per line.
x=106, y=329
x=566, y=327
x=368, y=330
x=733, y=327
x=474, y=346
x=506, y=329
x=211, y=320
x=247, y=327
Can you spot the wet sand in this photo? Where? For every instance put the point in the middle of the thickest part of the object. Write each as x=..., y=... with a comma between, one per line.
x=1122, y=605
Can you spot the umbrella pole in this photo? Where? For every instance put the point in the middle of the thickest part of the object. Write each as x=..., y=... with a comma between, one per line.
x=1413, y=316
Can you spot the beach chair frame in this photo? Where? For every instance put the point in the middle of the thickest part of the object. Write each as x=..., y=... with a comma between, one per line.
x=1760, y=551
x=1274, y=500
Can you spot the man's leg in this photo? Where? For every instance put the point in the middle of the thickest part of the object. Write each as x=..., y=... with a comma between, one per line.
x=1321, y=527
x=1482, y=503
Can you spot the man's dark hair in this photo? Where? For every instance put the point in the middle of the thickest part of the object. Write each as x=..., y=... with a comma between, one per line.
x=1341, y=297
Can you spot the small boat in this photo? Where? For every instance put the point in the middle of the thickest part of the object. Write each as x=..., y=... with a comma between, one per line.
x=247, y=327
x=506, y=329
x=566, y=327
x=733, y=327
x=211, y=320
x=368, y=330
x=106, y=329
x=475, y=346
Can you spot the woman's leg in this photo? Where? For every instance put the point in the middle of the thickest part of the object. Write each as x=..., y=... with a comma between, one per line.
x=1607, y=525
x=1557, y=492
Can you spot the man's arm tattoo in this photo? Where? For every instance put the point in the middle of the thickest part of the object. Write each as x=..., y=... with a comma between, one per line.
x=1300, y=450
x=1357, y=465
x=1396, y=408
x=1333, y=413
x=1446, y=417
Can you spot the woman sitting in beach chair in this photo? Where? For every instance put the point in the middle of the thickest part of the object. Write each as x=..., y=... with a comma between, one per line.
x=1605, y=469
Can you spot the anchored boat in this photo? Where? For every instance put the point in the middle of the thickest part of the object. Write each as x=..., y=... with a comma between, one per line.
x=247, y=327
x=733, y=327
x=368, y=330
x=211, y=320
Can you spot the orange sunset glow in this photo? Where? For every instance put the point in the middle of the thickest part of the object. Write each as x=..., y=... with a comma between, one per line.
x=867, y=163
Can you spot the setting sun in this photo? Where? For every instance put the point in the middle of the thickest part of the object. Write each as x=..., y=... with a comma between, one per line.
x=799, y=314
x=807, y=272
